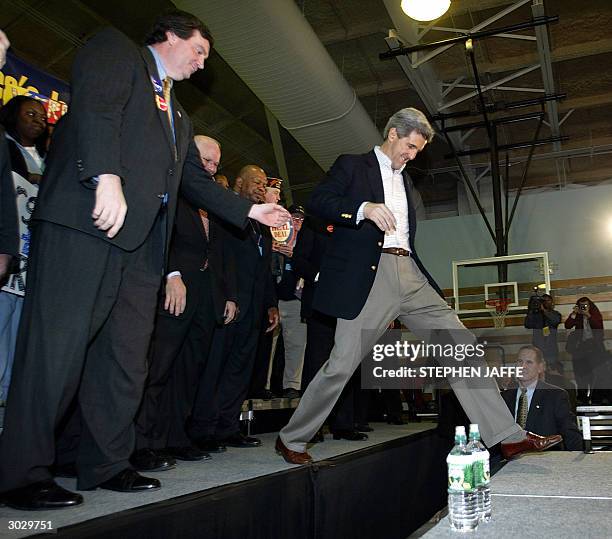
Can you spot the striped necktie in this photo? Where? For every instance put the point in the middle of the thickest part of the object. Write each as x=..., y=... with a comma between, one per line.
x=523, y=408
x=166, y=87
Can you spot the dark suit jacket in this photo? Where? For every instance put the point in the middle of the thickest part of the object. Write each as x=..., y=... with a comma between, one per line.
x=253, y=275
x=9, y=240
x=549, y=414
x=312, y=243
x=348, y=269
x=114, y=126
x=190, y=247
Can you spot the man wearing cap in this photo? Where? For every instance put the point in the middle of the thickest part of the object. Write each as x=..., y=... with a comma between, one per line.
x=273, y=190
x=294, y=331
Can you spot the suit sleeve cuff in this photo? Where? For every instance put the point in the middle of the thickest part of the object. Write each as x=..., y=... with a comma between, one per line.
x=360, y=216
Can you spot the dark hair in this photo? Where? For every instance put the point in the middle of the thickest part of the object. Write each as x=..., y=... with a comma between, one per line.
x=592, y=306
x=538, y=353
x=181, y=23
x=8, y=118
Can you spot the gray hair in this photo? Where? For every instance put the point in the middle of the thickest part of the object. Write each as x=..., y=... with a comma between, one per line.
x=206, y=139
x=408, y=120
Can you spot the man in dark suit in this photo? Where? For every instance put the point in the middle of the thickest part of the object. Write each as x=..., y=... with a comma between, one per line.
x=200, y=292
x=105, y=208
x=373, y=275
x=216, y=412
x=9, y=242
x=540, y=407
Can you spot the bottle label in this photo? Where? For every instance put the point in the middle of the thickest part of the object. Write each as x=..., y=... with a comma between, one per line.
x=460, y=473
x=482, y=471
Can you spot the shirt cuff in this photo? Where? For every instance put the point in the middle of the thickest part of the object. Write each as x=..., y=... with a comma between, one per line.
x=360, y=216
x=173, y=274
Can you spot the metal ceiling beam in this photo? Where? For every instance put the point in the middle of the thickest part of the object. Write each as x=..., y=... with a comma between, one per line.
x=507, y=88
x=466, y=31
x=585, y=151
x=561, y=53
x=513, y=146
x=488, y=87
x=477, y=28
x=537, y=8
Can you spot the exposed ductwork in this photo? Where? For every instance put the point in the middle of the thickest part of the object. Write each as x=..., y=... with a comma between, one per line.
x=273, y=49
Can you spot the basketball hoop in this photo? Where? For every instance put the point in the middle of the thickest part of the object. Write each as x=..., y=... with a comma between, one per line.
x=498, y=308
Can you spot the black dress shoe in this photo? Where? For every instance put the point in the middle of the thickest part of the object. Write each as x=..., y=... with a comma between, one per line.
x=149, y=460
x=130, y=481
x=209, y=445
x=363, y=427
x=42, y=495
x=188, y=453
x=395, y=420
x=351, y=435
x=240, y=440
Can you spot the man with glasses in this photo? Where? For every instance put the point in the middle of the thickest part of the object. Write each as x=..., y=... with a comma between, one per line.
x=200, y=292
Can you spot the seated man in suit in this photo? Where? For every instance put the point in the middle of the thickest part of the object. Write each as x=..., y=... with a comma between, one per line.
x=540, y=407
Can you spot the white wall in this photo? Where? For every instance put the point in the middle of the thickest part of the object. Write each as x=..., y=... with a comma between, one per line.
x=573, y=225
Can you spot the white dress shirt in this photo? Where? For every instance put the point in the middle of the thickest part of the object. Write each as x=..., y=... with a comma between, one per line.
x=395, y=200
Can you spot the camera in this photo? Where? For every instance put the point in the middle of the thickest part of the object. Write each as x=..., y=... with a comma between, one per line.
x=583, y=307
x=535, y=303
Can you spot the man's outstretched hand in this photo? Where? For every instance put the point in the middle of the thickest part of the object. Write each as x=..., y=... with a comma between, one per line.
x=269, y=214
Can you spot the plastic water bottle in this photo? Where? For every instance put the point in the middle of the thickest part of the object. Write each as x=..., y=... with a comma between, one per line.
x=482, y=474
x=462, y=508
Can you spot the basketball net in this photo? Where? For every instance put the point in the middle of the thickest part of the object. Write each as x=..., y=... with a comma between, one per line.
x=498, y=309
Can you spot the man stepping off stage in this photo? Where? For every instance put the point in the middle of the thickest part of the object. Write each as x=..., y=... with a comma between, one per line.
x=372, y=275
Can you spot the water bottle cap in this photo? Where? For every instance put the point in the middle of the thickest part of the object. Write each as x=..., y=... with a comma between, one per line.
x=473, y=427
x=459, y=430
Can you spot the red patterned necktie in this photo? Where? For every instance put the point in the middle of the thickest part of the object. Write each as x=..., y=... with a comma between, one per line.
x=166, y=87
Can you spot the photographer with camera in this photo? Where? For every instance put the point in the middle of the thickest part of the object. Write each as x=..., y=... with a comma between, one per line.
x=585, y=344
x=543, y=320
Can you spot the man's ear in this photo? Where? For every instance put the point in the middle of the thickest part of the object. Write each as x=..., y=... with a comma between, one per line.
x=392, y=135
x=171, y=37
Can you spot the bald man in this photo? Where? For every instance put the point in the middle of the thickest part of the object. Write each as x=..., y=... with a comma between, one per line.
x=200, y=292
x=215, y=416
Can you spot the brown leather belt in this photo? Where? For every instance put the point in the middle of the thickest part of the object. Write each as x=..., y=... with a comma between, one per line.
x=397, y=251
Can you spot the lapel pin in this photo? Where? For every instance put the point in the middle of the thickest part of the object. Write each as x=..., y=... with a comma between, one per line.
x=178, y=112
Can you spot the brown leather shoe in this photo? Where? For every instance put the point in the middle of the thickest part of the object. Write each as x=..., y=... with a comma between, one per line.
x=292, y=457
x=532, y=442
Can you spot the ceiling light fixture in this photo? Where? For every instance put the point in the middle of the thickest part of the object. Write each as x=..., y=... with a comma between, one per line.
x=425, y=10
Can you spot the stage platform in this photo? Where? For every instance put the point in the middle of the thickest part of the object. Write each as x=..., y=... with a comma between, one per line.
x=386, y=487
x=555, y=494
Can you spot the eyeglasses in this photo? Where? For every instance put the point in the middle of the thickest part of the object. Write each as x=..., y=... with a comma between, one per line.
x=210, y=162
